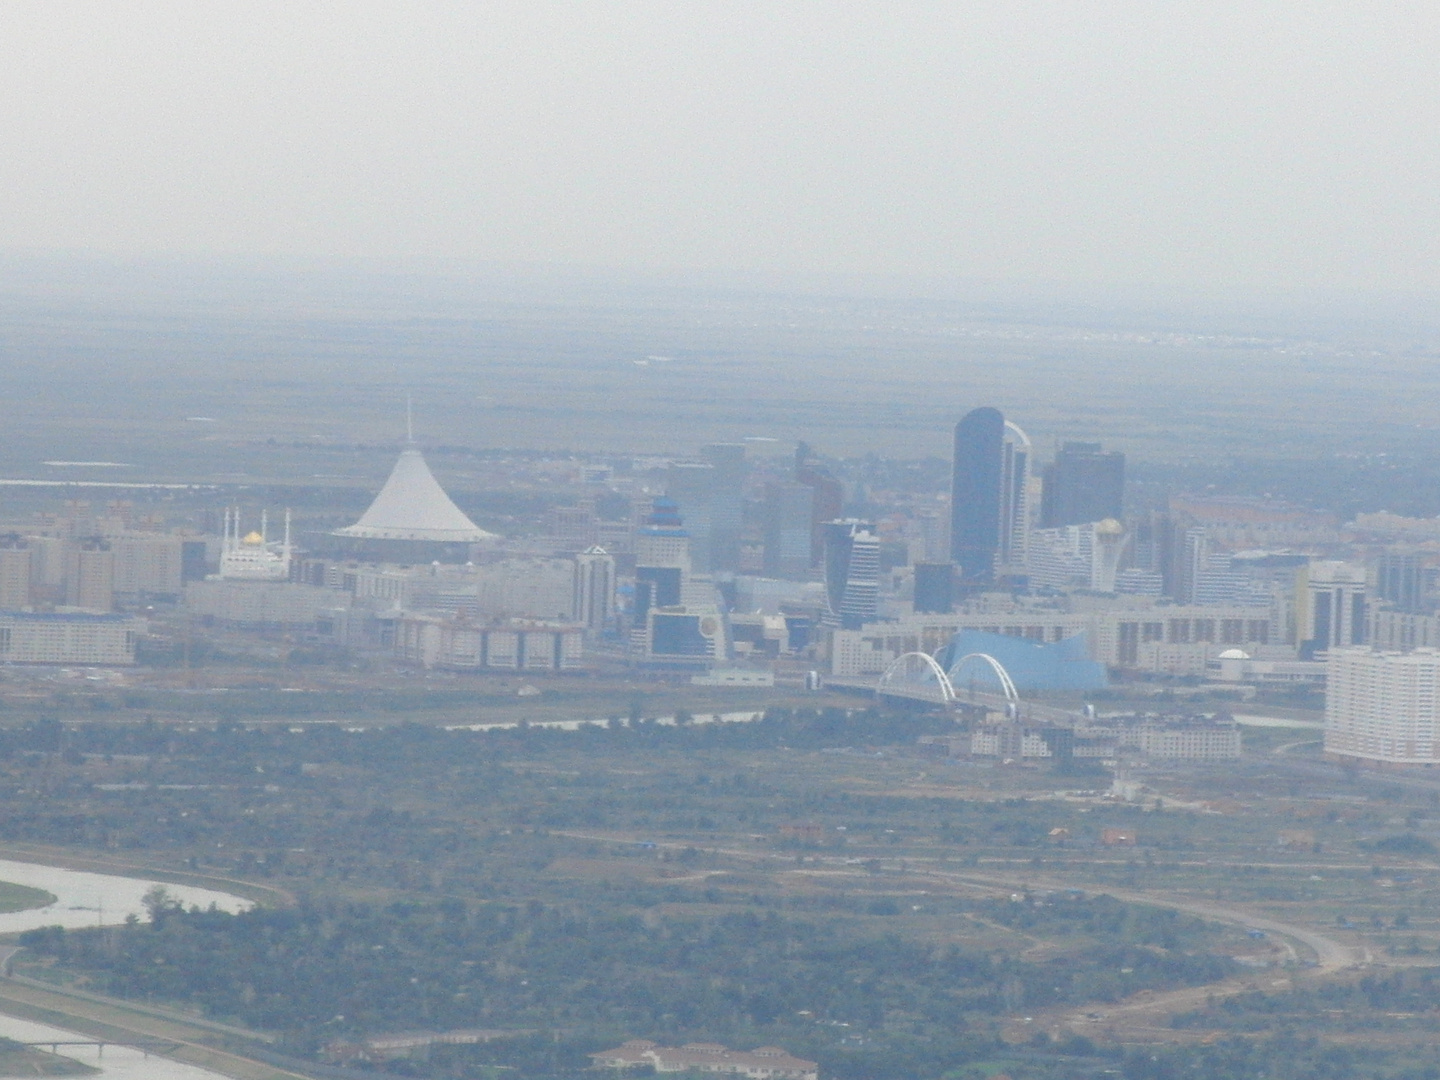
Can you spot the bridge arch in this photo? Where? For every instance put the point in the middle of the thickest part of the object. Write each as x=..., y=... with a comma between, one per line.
x=915, y=663
x=1007, y=685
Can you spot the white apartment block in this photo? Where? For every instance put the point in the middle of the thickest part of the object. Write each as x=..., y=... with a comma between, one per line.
x=1383, y=706
x=439, y=642
x=261, y=603
x=1187, y=742
x=510, y=588
x=72, y=638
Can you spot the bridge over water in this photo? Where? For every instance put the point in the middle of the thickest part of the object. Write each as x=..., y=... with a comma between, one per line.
x=918, y=676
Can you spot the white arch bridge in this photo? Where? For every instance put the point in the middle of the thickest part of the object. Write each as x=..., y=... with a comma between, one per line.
x=918, y=676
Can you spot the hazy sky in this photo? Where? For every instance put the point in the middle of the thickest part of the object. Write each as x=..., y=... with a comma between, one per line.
x=1186, y=143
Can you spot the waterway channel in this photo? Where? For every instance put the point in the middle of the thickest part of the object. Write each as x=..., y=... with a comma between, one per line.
x=82, y=899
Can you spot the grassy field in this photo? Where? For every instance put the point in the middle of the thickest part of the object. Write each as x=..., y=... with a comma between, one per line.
x=22, y=897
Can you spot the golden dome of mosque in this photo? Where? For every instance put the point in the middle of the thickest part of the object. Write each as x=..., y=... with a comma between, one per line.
x=253, y=539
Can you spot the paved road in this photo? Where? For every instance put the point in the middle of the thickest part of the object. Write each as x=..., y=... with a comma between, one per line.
x=1331, y=956
x=115, y=1023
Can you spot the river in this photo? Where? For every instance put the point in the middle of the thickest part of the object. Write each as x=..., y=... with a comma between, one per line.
x=87, y=899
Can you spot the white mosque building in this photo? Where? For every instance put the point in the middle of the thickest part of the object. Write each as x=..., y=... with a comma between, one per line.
x=253, y=557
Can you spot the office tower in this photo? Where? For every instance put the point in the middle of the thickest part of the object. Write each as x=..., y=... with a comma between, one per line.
x=594, y=591
x=727, y=503
x=572, y=528
x=1192, y=549
x=662, y=539
x=711, y=496
x=15, y=571
x=1014, y=526
x=1330, y=606
x=934, y=534
x=1083, y=484
x=194, y=561
x=691, y=485
x=828, y=504
x=662, y=558
x=90, y=574
x=1400, y=582
x=1159, y=548
x=789, y=512
x=1109, y=541
x=861, y=599
x=841, y=569
x=1383, y=706
x=934, y=588
x=975, y=494
x=838, y=537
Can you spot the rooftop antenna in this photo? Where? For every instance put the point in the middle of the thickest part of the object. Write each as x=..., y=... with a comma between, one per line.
x=409, y=422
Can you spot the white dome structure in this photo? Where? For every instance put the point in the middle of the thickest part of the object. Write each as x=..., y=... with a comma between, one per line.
x=413, y=506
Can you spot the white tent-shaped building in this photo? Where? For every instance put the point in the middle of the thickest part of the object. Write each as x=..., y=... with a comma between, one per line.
x=413, y=506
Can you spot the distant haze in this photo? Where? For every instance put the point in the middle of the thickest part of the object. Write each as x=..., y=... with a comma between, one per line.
x=1271, y=144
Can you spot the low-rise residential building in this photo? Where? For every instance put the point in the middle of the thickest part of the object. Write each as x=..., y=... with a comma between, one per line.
x=1237, y=666
x=762, y=1063
x=1162, y=738
x=1197, y=738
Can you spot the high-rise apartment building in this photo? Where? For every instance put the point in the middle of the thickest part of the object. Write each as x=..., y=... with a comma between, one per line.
x=148, y=565
x=1082, y=484
x=15, y=572
x=1383, y=707
x=90, y=574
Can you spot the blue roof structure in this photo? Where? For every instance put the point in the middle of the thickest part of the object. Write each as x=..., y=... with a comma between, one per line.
x=1032, y=665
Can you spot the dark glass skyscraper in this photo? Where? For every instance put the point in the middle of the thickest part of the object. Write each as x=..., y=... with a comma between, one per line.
x=934, y=588
x=975, y=494
x=1084, y=484
x=727, y=503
